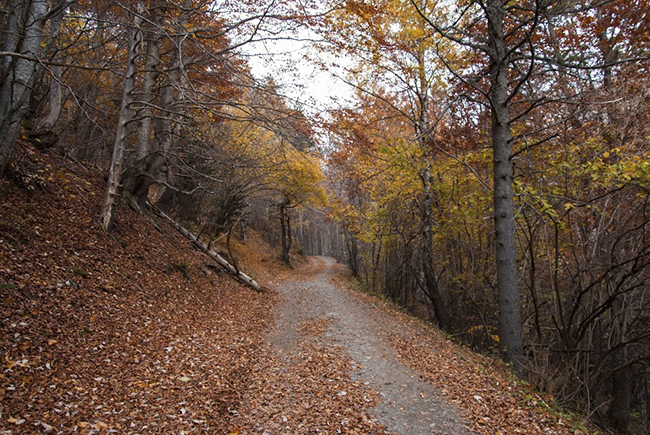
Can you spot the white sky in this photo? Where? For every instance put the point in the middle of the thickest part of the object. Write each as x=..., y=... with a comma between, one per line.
x=301, y=80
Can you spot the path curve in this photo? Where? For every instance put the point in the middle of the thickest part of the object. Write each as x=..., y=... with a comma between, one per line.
x=408, y=405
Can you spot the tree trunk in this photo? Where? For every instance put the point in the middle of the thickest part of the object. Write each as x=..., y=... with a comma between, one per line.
x=139, y=177
x=510, y=329
x=41, y=133
x=423, y=127
x=145, y=113
x=619, y=410
x=430, y=279
x=242, y=277
x=115, y=172
x=19, y=74
x=148, y=170
x=353, y=254
x=285, y=228
x=53, y=106
x=16, y=10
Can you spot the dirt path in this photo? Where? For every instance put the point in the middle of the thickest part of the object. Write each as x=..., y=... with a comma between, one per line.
x=317, y=317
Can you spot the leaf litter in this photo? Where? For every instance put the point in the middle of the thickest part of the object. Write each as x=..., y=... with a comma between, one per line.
x=132, y=333
x=128, y=333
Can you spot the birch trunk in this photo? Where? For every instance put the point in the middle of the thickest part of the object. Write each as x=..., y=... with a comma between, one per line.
x=239, y=275
x=19, y=73
x=115, y=172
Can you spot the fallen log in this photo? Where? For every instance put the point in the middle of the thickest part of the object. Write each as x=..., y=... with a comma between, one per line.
x=239, y=275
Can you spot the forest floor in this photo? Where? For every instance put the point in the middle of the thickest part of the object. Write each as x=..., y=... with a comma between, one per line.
x=136, y=332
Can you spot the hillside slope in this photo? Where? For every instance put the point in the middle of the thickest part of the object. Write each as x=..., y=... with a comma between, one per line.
x=135, y=332
x=128, y=332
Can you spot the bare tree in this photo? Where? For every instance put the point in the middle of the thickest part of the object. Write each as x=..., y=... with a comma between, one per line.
x=126, y=115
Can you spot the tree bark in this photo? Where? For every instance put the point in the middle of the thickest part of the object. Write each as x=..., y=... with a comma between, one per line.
x=139, y=177
x=353, y=254
x=423, y=128
x=510, y=328
x=115, y=172
x=152, y=60
x=285, y=228
x=619, y=410
x=19, y=74
x=148, y=169
x=54, y=102
x=430, y=278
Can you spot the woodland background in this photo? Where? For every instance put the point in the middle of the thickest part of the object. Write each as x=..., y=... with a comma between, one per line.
x=492, y=173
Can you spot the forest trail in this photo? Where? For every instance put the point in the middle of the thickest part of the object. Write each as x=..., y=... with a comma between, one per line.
x=318, y=317
x=136, y=332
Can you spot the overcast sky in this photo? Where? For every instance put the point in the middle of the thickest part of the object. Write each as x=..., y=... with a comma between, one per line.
x=301, y=80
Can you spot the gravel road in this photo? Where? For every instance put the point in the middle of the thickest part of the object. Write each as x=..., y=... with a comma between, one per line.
x=408, y=405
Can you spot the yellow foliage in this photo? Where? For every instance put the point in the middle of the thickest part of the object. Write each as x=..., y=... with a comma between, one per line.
x=298, y=177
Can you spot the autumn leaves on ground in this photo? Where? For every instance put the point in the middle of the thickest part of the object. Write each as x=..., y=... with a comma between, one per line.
x=137, y=332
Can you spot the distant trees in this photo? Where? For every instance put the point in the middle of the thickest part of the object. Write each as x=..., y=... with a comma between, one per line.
x=398, y=69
